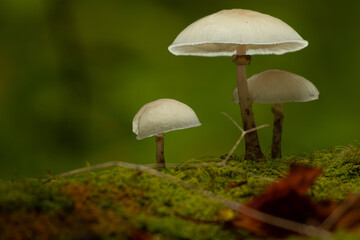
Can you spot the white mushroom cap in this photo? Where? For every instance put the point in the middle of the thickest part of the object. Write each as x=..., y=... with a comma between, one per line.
x=219, y=34
x=161, y=116
x=276, y=86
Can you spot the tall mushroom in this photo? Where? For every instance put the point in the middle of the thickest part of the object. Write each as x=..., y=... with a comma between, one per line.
x=236, y=33
x=160, y=116
x=278, y=87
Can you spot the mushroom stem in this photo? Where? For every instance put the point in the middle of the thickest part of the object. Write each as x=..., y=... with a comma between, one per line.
x=252, y=146
x=160, y=160
x=277, y=110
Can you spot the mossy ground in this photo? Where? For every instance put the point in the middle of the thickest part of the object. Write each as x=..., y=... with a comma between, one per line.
x=119, y=203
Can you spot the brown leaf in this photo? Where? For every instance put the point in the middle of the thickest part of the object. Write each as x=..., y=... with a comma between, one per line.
x=286, y=199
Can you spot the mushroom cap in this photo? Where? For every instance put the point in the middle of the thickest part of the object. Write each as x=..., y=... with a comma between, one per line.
x=161, y=116
x=220, y=33
x=276, y=86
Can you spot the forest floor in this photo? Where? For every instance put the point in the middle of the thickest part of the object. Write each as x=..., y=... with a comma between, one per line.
x=122, y=203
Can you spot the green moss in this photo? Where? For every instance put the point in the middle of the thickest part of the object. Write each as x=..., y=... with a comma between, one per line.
x=119, y=202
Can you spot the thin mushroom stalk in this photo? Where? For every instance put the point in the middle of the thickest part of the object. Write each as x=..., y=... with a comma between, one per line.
x=160, y=159
x=277, y=110
x=252, y=146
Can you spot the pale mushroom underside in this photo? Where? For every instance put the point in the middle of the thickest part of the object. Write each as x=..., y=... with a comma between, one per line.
x=219, y=34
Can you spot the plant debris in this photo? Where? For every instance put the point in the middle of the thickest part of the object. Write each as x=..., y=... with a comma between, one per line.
x=286, y=199
x=120, y=203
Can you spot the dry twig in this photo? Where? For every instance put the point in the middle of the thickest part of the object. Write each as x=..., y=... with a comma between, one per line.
x=243, y=133
x=299, y=228
x=339, y=212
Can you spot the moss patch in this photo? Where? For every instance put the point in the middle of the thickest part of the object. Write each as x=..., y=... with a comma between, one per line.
x=122, y=203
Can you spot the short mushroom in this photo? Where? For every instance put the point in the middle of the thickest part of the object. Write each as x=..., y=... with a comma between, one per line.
x=278, y=87
x=235, y=33
x=160, y=116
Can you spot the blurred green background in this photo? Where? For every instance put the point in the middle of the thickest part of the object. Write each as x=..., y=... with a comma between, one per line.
x=74, y=73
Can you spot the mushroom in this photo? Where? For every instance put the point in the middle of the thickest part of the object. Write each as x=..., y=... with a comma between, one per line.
x=278, y=87
x=235, y=33
x=160, y=116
